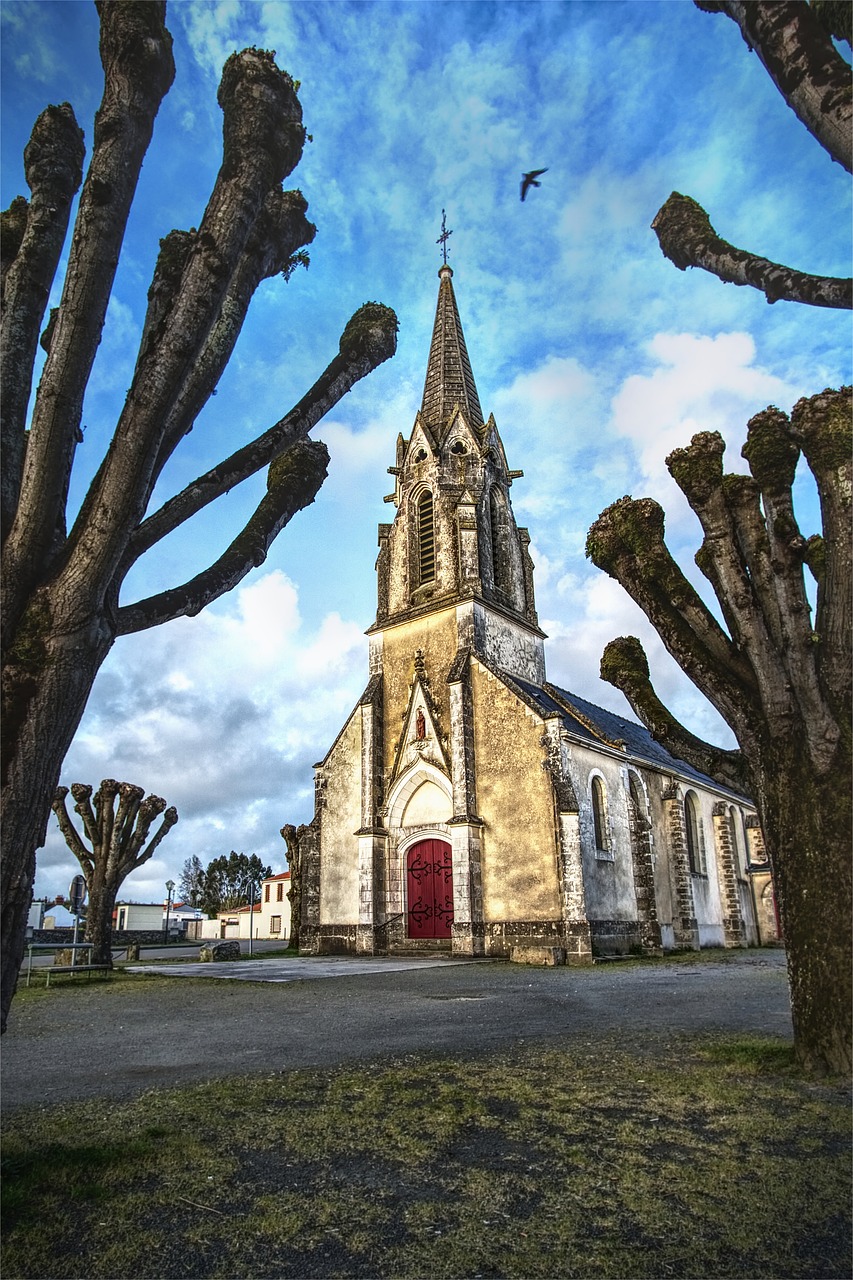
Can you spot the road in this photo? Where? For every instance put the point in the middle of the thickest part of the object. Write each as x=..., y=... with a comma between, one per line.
x=114, y=1040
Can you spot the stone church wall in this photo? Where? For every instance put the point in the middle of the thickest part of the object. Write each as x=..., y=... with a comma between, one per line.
x=340, y=819
x=611, y=899
x=515, y=801
x=435, y=635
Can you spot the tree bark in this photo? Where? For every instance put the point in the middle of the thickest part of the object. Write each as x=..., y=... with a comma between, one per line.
x=290, y=835
x=687, y=239
x=803, y=63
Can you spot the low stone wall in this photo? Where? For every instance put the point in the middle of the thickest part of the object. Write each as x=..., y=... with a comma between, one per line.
x=120, y=937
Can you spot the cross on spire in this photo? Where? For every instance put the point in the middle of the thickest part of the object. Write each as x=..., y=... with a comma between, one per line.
x=444, y=237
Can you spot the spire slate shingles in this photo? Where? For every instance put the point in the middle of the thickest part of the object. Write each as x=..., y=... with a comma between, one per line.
x=449, y=379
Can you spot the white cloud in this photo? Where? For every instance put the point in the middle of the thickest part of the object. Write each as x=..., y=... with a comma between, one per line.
x=699, y=383
x=223, y=715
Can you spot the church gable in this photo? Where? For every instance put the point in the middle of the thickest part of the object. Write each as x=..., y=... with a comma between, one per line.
x=461, y=438
x=421, y=740
x=421, y=447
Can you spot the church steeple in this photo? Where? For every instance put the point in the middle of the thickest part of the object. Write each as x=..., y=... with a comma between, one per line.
x=454, y=543
x=449, y=379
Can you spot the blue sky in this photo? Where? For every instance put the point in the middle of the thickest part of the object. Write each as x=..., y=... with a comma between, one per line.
x=595, y=354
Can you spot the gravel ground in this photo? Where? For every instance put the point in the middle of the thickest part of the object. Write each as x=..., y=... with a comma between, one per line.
x=114, y=1041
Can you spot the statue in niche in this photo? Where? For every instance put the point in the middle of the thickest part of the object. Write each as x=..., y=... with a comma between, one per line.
x=420, y=726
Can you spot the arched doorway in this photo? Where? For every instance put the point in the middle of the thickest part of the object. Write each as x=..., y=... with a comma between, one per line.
x=429, y=889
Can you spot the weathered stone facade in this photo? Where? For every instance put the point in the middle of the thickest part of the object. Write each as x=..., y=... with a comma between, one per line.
x=468, y=805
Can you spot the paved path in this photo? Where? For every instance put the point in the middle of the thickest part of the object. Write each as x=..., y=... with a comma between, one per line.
x=296, y=969
x=115, y=1040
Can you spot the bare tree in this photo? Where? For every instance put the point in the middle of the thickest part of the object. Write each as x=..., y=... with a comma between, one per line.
x=61, y=609
x=117, y=837
x=793, y=42
x=292, y=836
x=781, y=682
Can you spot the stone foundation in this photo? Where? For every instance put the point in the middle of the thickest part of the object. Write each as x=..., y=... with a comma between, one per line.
x=616, y=937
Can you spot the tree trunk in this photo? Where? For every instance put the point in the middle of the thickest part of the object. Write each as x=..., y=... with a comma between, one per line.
x=45, y=689
x=807, y=827
x=99, y=930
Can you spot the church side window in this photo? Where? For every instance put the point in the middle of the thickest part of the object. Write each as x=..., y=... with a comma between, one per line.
x=599, y=817
x=500, y=564
x=693, y=834
x=426, y=538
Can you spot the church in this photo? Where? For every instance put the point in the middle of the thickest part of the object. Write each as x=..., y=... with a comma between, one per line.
x=468, y=806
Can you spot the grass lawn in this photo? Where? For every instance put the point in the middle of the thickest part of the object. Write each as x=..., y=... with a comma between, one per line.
x=714, y=1160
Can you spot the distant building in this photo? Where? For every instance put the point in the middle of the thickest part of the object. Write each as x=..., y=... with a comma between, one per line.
x=269, y=920
x=468, y=804
x=149, y=917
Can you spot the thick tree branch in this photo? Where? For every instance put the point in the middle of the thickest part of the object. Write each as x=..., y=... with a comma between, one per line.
x=624, y=665
x=626, y=541
x=53, y=165
x=69, y=831
x=821, y=426
x=279, y=232
x=369, y=338
x=772, y=453
x=803, y=63
x=698, y=472
x=13, y=225
x=687, y=239
x=293, y=482
x=262, y=141
x=138, y=70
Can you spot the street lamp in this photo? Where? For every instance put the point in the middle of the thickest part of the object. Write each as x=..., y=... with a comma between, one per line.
x=170, y=888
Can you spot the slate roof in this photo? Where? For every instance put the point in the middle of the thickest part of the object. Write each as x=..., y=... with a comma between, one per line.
x=587, y=721
x=449, y=378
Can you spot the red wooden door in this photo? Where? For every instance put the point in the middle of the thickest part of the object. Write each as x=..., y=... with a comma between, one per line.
x=429, y=876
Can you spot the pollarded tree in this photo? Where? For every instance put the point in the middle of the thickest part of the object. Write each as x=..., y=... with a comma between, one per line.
x=293, y=836
x=794, y=45
x=118, y=838
x=61, y=608
x=781, y=682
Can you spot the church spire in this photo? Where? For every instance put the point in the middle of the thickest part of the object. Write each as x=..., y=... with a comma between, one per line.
x=449, y=380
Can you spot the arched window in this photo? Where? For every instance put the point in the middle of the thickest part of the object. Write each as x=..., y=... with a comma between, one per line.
x=426, y=539
x=497, y=526
x=693, y=834
x=599, y=816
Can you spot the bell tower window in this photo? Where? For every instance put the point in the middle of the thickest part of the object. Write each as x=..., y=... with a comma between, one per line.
x=426, y=538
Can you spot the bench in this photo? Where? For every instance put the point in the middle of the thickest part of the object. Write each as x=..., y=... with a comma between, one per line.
x=74, y=968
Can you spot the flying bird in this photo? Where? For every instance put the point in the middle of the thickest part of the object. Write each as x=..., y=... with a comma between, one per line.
x=528, y=180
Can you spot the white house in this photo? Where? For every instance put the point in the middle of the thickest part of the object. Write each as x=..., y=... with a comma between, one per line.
x=269, y=919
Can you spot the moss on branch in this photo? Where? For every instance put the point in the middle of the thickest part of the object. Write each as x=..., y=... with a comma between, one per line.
x=770, y=451
x=635, y=525
x=262, y=114
x=371, y=332
x=698, y=468
x=823, y=425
